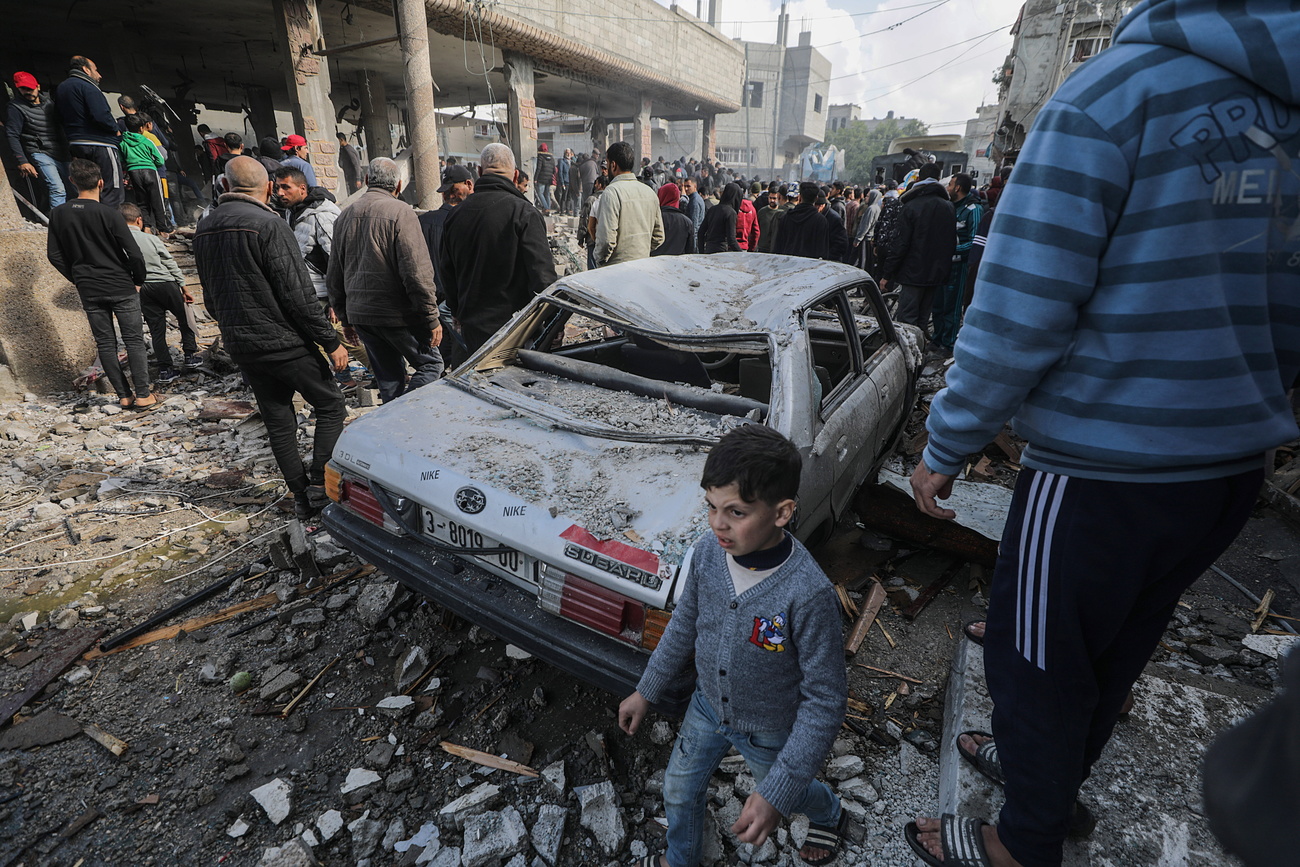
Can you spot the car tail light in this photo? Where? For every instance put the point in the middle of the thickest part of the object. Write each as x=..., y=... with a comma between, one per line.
x=332, y=481
x=591, y=605
x=656, y=621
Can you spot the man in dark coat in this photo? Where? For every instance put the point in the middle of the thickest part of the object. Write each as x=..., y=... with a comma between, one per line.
x=545, y=174
x=836, y=233
x=495, y=256
x=457, y=185
x=89, y=126
x=256, y=285
x=804, y=231
x=927, y=239
x=679, y=231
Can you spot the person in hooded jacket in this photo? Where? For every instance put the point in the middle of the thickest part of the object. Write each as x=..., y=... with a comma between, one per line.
x=310, y=212
x=927, y=240
x=679, y=232
x=868, y=214
x=1135, y=318
x=804, y=231
x=748, y=231
x=269, y=149
x=718, y=231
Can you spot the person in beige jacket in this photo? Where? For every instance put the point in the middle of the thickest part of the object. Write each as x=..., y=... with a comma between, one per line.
x=629, y=224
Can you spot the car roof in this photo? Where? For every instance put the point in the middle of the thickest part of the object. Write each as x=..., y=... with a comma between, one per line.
x=709, y=295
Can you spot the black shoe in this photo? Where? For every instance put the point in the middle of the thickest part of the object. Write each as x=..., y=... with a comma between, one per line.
x=316, y=497
x=192, y=361
x=303, y=510
x=166, y=375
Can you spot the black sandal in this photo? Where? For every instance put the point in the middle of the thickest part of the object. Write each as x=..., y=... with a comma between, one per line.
x=975, y=639
x=962, y=842
x=985, y=758
x=825, y=837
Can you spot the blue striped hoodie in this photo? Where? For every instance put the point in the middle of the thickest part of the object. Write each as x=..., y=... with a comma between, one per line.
x=1138, y=304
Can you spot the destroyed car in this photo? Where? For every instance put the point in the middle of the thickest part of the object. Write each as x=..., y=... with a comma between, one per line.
x=548, y=489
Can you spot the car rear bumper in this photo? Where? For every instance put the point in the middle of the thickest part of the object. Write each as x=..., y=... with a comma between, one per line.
x=498, y=606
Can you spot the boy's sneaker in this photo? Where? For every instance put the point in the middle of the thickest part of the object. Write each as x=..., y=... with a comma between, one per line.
x=165, y=375
x=192, y=361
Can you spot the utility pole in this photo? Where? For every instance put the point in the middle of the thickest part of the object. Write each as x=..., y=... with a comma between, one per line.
x=422, y=123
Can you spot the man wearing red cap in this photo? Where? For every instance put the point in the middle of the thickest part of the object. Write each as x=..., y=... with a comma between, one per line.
x=295, y=157
x=36, y=138
x=90, y=126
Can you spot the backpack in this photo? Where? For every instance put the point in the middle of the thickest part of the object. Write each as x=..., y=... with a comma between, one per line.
x=889, y=224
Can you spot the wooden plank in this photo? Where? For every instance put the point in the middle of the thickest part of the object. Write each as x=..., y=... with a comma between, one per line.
x=846, y=603
x=113, y=744
x=1003, y=442
x=891, y=512
x=488, y=760
x=870, y=608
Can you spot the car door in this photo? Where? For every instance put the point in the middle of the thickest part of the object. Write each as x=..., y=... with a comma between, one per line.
x=885, y=362
x=847, y=402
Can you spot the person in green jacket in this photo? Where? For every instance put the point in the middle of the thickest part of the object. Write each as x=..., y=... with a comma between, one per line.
x=143, y=163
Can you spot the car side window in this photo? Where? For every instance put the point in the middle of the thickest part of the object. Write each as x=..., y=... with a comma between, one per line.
x=835, y=358
x=875, y=340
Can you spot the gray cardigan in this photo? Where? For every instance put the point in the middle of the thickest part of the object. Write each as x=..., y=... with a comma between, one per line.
x=771, y=659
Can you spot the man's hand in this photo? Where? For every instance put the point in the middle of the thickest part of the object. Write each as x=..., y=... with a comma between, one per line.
x=435, y=336
x=757, y=820
x=884, y=284
x=138, y=288
x=339, y=358
x=926, y=486
x=27, y=169
x=333, y=317
x=631, y=711
x=186, y=296
x=351, y=336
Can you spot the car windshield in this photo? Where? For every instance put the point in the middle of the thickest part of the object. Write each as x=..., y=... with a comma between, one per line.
x=585, y=374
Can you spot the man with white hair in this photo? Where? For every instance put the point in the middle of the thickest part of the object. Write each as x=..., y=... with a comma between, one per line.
x=381, y=285
x=255, y=284
x=495, y=256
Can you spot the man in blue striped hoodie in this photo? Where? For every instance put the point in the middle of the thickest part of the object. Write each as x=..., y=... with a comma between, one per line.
x=1137, y=316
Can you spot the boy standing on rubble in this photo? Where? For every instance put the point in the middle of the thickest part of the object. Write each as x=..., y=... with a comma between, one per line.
x=760, y=621
x=161, y=293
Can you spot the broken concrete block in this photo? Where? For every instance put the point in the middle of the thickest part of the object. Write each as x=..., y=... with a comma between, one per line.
x=409, y=668
x=553, y=774
x=292, y=854
x=517, y=653
x=470, y=804
x=47, y=727
x=602, y=817
x=308, y=617
x=745, y=785
x=365, y=835
x=661, y=732
x=493, y=837
x=844, y=767
x=732, y=764
x=859, y=790
x=238, y=829
x=426, y=837
x=380, y=755
x=396, y=706
x=396, y=830
x=78, y=675
x=329, y=824
x=29, y=620
x=443, y=857
x=282, y=682
x=378, y=600
x=66, y=618
x=1273, y=646
x=400, y=780
x=274, y=799
x=358, y=778
x=548, y=832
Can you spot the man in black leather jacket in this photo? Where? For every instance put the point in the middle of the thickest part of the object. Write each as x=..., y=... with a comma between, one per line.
x=927, y=239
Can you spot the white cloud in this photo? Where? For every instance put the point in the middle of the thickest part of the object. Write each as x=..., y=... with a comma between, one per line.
x=885, y=71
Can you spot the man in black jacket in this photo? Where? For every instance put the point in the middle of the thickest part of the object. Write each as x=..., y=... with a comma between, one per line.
x=545, y=174
x=927, y=239
x=457, y=184
x=495, y=256
x=36, y=139
x=90, y=127
x=90, y=245
x=256, y=286
x=679, y=231
x=804, y=230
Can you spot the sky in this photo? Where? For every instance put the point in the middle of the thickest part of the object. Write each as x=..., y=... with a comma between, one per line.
x=937, y=67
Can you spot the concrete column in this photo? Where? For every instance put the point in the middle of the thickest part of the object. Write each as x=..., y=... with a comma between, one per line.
x=641, y=133
x=261, y=110
x=709, y=141
x=298, y=30
x=374, y=115
x=521, y=110
x=421, y=122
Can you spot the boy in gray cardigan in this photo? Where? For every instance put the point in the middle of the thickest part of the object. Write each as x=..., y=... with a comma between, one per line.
x=761, y=623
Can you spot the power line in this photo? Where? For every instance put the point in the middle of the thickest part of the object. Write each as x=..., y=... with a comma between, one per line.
x=932, y=72
x=570, y=14
x=915, y=56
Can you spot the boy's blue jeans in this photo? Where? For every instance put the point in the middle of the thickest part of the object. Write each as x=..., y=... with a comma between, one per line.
x=700, y=746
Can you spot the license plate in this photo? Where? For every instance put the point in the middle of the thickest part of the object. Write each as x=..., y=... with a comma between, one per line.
x=449, y=532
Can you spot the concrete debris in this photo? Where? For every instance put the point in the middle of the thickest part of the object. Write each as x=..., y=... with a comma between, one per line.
x=476, y=801
x=844, y=767
x=359, y=778
x=295, y=853
x=425, y=838
x=238, y=829
x=365, y=835
x=517, y=653
x=409, y=667
x=273, y=797
x=395, y=832
x=493, y=837
x=553, y=774
x=548, y=832
x=444, y=857
x=661, y=732
x=1272, y=646
x=328, y=824
x=396, y=706
x=602, y=816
